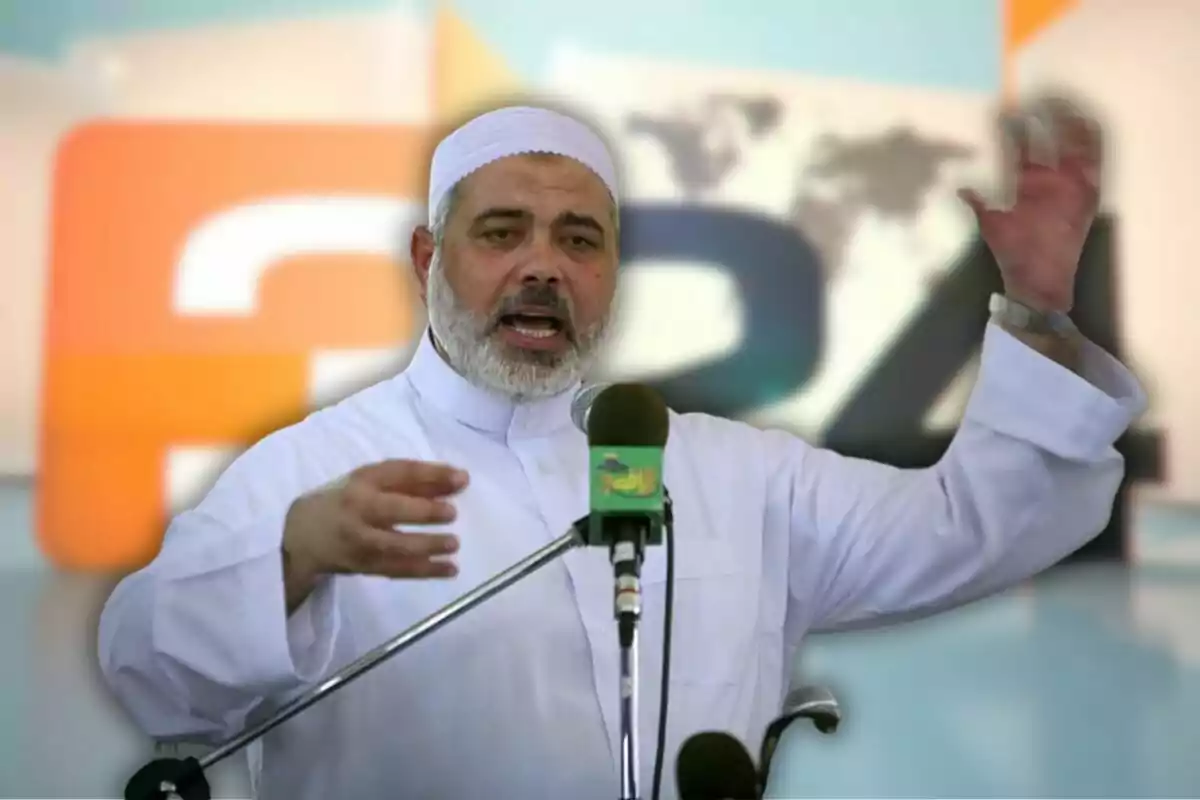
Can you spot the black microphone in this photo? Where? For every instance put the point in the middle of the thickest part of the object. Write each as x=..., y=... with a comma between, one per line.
x=169, y=779
x=809, y=702
x=629, y=508
x=715, y=766
x=627, y=427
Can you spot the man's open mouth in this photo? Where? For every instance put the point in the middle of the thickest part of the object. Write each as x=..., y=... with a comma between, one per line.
x=534, y=324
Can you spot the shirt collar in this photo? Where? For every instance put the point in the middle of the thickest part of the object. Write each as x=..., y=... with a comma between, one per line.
x=438, y=384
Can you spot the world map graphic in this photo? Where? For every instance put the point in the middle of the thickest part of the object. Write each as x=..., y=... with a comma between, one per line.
x=890, y=173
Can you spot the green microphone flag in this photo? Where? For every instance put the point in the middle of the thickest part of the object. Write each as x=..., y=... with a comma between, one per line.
x=627, y=433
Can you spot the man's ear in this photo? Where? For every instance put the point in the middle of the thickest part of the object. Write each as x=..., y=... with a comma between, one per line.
x=421, y=251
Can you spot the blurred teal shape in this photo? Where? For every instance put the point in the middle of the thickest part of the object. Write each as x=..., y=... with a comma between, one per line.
x=44, y=29
x=932, y=43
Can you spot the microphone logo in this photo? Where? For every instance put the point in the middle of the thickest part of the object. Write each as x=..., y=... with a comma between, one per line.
x=620, y=477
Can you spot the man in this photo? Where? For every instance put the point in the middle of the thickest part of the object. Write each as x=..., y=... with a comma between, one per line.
x=315, y=545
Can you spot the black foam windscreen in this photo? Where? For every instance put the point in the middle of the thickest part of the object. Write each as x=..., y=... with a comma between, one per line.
x=628, y=415
x=184, y=774
x=715, y=766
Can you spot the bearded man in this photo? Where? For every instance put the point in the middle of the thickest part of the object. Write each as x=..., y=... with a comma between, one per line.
x=328, y=537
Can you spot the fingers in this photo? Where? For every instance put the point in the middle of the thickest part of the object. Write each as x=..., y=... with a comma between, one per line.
x=383, y=509
x=1053, y=158
x=377, y=498
x=417, y=478
x=1055, y=133
x=1029, y=134
x=985, y=212
x=1082, y=147
x=393, y=544
x=371, y=551
x=401, y=493
x=1079, y=139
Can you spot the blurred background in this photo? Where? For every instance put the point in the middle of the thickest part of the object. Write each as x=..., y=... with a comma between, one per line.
x=203, y=210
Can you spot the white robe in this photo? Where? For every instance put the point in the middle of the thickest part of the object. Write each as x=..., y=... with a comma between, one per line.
x=519, y=697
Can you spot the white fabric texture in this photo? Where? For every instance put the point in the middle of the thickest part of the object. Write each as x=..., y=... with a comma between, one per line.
x=519, y=698
x=512, y=131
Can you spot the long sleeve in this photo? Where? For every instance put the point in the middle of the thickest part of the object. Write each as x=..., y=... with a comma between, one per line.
x=196, y=641
x=1030, y=477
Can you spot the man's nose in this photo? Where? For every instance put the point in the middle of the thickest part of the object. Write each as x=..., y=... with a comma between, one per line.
x=538, y=275
x=542, y=266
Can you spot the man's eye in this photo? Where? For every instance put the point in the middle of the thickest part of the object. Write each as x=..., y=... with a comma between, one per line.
x=498, y=235
x=581, y=242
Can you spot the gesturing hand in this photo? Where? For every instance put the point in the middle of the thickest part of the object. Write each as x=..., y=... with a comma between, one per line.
x=351, y=526
x=1038, y=240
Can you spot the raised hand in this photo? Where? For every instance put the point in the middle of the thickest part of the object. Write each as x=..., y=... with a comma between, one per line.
x=1038, y=238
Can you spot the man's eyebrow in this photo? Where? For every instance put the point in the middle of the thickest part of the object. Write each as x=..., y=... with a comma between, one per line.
x=580, y=221
x=499, y=213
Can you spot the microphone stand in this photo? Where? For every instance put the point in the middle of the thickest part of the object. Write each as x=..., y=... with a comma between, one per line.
x=627, y=537
x=183, y=779
x=626, y=556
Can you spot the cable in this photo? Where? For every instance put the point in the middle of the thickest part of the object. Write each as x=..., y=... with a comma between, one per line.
x=668, y=605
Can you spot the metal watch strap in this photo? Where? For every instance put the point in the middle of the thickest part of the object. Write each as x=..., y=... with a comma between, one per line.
x=1015, y=314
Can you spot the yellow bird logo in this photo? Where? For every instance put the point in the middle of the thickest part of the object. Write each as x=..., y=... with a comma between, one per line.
x=619, y=478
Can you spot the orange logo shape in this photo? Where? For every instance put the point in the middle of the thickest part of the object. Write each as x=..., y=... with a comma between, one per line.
x=195, y=269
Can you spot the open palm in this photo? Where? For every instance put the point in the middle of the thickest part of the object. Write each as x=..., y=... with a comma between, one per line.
x=1038, y=240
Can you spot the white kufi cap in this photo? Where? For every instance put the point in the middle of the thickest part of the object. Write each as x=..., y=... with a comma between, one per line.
x=509, y=132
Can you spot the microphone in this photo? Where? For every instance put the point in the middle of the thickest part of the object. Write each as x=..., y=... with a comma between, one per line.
x=581, y=405
x=169, y=779
x=810, y=702
x=627, y=426
x=715, y=766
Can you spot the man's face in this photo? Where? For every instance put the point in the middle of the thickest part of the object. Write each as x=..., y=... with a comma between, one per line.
x=520, y=291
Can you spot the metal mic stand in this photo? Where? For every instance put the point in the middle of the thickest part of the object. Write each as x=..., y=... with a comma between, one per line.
x=183, y=779
x=627, y=537
x=626, y=555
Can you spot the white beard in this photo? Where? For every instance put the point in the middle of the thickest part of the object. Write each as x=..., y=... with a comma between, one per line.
x=469, y=343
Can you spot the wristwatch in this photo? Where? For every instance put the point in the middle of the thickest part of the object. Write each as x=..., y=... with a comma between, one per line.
x=1015, y=315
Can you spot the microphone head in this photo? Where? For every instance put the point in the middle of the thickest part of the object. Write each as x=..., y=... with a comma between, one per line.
x=813, y=702
x=715, y=766
x=581, y=405
x=628, y=415
x=166, y=778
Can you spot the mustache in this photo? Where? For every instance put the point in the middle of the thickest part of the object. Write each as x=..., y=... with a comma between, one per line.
x=543, y=297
